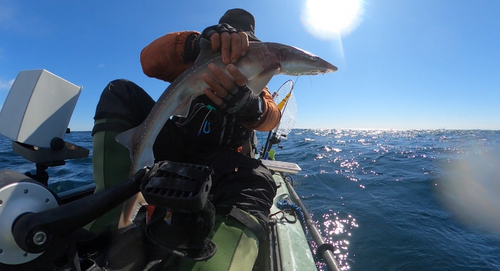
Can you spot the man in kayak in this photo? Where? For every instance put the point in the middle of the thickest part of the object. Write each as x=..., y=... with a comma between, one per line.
x=213, y=133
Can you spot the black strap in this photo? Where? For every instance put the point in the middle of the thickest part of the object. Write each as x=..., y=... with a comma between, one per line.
x=243, y=218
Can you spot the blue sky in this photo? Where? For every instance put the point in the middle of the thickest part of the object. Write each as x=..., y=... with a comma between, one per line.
x=414, y=64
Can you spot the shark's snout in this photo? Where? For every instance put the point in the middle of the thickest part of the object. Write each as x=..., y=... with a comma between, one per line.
x=299, y=62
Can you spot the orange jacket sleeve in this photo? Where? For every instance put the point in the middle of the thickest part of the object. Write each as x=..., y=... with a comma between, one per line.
x=162, y=58
x=271, y=115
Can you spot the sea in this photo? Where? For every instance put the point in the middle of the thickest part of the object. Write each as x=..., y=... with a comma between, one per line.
x=385, y=199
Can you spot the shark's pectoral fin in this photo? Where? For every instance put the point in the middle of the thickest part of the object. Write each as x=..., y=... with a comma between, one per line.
x=126, y=139
x=183, y=109
x=260, y=81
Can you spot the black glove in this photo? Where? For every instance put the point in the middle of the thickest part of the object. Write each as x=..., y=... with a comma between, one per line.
x=192, y=46
x=218, y=28
x=242, y=102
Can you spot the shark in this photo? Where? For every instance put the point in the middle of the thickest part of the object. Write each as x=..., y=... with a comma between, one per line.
x=262, y=61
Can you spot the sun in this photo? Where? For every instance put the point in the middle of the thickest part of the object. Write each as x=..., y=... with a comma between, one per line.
x=330, y=19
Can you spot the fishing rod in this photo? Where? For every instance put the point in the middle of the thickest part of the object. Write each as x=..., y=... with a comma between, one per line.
x=324, y=250
x=272, y=137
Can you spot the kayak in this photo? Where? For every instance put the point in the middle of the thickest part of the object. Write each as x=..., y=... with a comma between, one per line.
x=285, y=248
x=42, y=230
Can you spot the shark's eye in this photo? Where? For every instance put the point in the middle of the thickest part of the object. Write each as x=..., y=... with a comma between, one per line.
x=310, y=58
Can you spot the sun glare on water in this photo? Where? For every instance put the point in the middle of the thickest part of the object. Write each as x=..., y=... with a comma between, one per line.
x=330, y=19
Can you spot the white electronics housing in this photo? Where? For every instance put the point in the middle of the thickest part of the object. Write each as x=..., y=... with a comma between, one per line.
x=38, y=108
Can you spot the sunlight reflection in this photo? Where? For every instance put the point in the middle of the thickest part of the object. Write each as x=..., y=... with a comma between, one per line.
x=336, y=229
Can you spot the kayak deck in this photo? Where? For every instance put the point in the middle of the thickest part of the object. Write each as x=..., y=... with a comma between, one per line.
x=288, y=242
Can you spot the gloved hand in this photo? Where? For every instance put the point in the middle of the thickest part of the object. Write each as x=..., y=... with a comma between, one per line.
x=242, y=102
x=229, y=91
x=192, y=47
x=219, y=29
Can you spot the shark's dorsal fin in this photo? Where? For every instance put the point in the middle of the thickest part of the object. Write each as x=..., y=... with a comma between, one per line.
x=260, y=81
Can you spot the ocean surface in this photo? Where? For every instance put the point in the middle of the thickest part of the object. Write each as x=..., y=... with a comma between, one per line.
x=387, y=200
